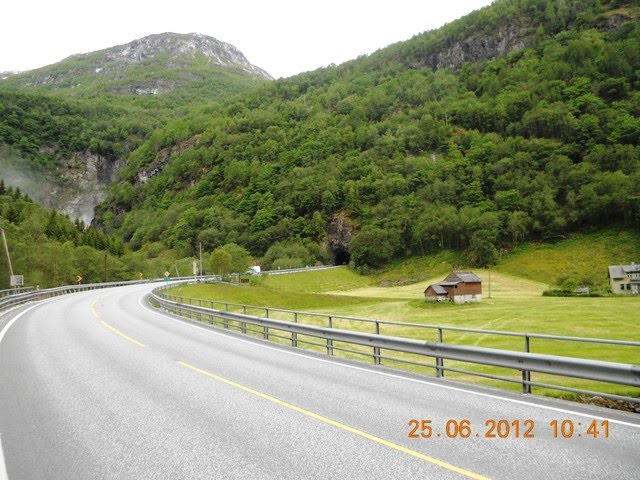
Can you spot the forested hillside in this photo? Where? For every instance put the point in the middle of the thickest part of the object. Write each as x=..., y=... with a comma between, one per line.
x=67, y=129
x=50, y=249
x=417, y=148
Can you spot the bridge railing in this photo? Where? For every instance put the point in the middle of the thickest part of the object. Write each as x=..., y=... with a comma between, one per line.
x=318, y=331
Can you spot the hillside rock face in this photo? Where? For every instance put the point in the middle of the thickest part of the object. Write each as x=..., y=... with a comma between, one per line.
x=339, y=233
x=85, y=180
x=475, y=48
x=88, y=177
x=75, y=187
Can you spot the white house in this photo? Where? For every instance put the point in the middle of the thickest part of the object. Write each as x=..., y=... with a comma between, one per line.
x=625, y=279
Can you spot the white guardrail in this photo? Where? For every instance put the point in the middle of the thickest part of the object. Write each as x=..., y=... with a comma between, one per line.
x=376, y=346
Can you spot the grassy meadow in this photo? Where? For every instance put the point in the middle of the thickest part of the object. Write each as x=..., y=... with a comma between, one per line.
x=515, y=304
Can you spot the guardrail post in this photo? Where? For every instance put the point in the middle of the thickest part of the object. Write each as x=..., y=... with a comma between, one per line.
x=439, y=360
x=294, y=335
x=329, y=341
x=526, y=374
x=200, y=313
x=376, y=350
x=265, y=333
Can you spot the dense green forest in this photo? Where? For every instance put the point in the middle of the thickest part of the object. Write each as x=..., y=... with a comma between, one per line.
x=414, y=155
x=531, y=145
x=50, y=249
x=44, y=128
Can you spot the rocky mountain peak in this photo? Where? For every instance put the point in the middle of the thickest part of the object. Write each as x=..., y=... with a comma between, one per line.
x=178, y=47
x=155, y=64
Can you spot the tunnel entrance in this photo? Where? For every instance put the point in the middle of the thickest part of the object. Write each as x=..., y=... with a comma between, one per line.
x=341, y=256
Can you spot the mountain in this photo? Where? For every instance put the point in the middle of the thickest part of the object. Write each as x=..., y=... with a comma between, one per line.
x=65, y=150
x=152, y=65
x=517, y=122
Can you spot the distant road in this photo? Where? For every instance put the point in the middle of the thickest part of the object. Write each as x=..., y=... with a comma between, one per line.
x=98, y=385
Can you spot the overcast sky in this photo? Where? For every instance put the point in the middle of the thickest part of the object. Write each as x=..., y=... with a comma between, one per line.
x=283, y=37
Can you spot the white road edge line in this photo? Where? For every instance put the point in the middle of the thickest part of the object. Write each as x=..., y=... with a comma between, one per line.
x=15, y=319
x=3, y=466
x=400, y=377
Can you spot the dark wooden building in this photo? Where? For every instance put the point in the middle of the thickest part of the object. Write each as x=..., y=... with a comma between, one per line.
x=459, y=287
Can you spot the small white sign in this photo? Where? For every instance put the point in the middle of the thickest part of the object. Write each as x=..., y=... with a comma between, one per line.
x=17, y=280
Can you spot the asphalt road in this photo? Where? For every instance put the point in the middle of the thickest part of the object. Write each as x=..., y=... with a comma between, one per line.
x=98, y=385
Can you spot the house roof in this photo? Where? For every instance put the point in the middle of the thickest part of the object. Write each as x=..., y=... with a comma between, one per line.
x=616, y=271
x=621, y=271
x=439, y=289
x=454, y=278
x=466, y=277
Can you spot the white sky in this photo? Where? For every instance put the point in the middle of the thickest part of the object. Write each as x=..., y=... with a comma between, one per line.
x=283, y=37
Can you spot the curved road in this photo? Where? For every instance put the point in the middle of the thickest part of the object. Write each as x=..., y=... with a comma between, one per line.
x=99, y=385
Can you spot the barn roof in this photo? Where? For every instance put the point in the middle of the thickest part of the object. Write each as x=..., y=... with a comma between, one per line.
x=466, y=277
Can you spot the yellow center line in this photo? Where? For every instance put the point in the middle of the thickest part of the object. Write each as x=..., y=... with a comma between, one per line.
x=342, y=426
x=122, y=334
x=95, y=314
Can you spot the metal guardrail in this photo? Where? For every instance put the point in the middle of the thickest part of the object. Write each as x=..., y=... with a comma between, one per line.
x=15, y=291
x=375, y=344
x=28, y=294
x=299, y=270
x=37, y=295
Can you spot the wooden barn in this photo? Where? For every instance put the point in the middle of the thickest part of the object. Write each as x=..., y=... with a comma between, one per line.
x=459, y=287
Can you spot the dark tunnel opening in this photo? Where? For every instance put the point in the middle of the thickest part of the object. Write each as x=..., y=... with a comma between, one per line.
x=341, y=257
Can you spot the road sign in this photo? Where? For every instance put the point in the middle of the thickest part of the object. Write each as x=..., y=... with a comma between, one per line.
x=17, y=280
x=140, y=274
x=79, y=278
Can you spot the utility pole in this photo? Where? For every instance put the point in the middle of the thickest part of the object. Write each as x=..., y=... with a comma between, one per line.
x=6, y=252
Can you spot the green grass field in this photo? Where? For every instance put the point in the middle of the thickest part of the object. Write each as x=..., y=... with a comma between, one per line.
x=516, y=304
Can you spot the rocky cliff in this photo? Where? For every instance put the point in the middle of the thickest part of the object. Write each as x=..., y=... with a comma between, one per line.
x=478, y=47
x=75, y=187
